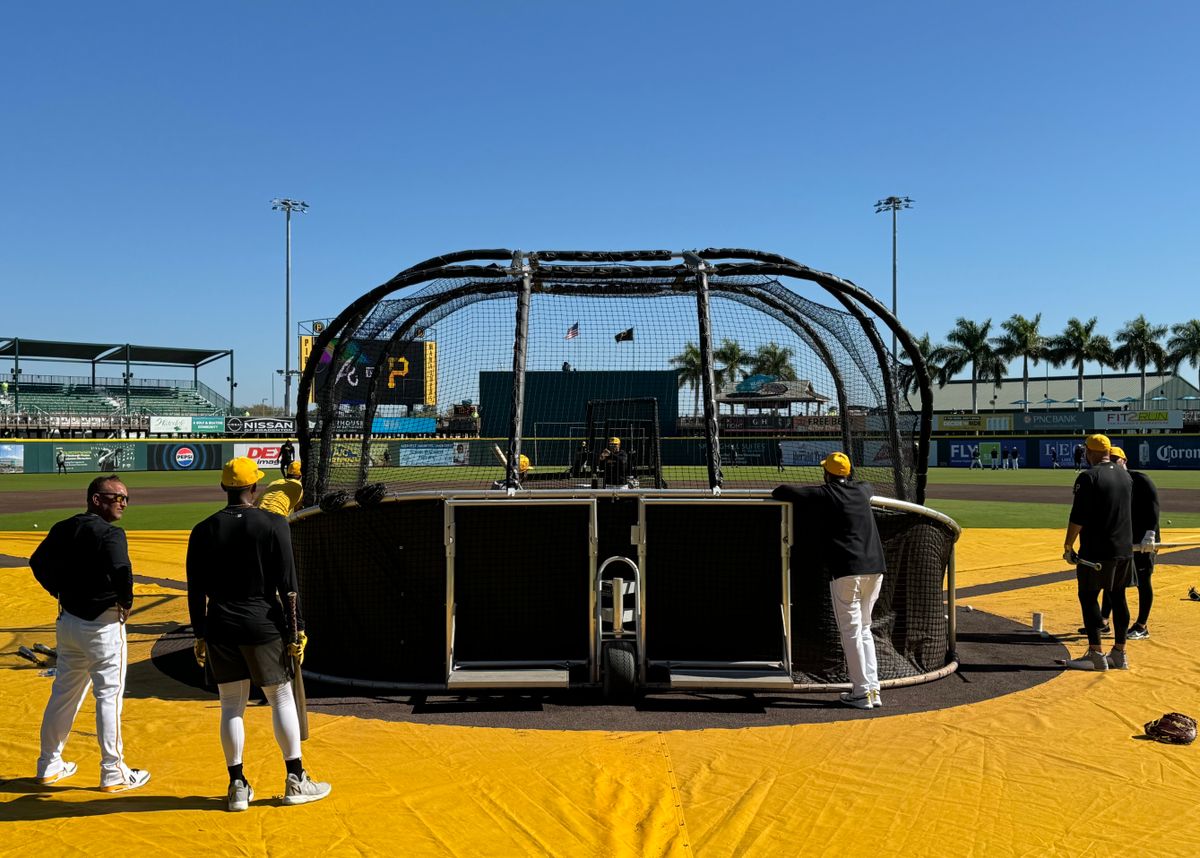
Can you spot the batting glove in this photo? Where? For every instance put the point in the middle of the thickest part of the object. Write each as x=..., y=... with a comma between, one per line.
x=200, y=651
x=1071, y=557
x=1149, y=543
x=296, y=648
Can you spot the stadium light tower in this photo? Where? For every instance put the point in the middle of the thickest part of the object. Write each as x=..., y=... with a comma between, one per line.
x=893, y=204
x=287, y=206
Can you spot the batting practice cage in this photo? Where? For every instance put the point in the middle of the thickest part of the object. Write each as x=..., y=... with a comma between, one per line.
x=553, y=469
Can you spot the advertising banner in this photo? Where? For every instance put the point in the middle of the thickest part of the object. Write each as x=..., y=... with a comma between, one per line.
x=12, y=458
x=260, y=425
x=409, y=378
x=170, y=425
x=208, y=425
x=805, y=453
x=1178, y=453
x=1058, y=452
x=349, y=452
x=426, y=454
x=959, y=453
x=1112, y=420
x=102, y=456
x=266, y=454
x=1033, y=421
x=183, y=457
x=972, y=422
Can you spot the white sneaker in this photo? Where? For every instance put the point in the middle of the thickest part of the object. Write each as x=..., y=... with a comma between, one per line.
x=134, y=778
x=1090, y=660
x=240, y=795
x=62, y=774
x=301, y=790
x=863, y=702
x=876, y=700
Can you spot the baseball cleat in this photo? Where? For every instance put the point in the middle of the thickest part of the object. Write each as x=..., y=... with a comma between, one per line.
x=65, y=772
x=863, y=702
x=303, y=789
x=240, y=795
x=134, y=778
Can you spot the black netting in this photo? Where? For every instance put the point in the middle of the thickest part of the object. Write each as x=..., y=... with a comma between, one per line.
x=421, y=389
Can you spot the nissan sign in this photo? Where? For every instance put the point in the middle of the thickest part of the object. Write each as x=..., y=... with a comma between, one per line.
x=260, y=425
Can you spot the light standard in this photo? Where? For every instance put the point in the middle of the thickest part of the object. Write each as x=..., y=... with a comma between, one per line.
x=287, y=206
x=893, y=204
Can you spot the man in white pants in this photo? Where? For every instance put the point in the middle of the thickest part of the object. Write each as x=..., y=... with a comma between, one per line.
x=84, y=563
x=852, y=553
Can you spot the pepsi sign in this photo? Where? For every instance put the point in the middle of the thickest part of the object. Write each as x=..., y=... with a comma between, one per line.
x=183, y=457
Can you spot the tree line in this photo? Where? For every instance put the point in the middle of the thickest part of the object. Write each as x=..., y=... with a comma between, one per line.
x=732, y=363
x=971, y=345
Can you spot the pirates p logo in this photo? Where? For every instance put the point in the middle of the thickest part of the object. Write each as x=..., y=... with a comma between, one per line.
x=396, y=367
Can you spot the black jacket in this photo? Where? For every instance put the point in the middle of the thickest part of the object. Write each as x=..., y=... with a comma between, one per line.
x=84, y=563
x=837, y=521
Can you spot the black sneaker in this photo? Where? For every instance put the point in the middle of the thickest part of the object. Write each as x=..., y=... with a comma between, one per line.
x=1104, y=630
x=1136, y=633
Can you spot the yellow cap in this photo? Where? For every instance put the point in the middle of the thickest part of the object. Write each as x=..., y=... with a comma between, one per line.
x=1099, y=443
x=616, y=442
x=837, y=464
x=1117, y=453
x=293, y=470
x=240, y=472
x=523, y=464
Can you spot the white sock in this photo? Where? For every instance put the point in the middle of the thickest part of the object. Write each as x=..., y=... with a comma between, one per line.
x=233, y=729
x=284, y=719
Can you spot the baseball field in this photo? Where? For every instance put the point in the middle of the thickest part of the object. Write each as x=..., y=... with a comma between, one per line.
x=1009, y=756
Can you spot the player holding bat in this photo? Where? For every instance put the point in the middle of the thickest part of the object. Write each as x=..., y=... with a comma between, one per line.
x=240, y=572
x=1100, y=520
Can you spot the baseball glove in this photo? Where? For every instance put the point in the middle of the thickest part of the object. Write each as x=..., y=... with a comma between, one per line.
x=334, y=501
x=370, y=495
x=1194, y=594
x=1174, y=728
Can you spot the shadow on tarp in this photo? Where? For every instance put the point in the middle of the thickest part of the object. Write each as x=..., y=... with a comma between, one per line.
x=36, y=802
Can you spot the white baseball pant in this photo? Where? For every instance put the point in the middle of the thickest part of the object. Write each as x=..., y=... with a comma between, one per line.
x=854, y=598
x=91, y=654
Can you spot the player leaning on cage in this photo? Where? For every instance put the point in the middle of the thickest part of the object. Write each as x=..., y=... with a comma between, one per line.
x=239, y=567
x=1143, y=510
x=84, y=563
x=1100, y=519
x=851, y=551
x=282, y=497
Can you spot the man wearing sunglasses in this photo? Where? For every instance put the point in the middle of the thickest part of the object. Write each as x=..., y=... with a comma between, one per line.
x=84, y=563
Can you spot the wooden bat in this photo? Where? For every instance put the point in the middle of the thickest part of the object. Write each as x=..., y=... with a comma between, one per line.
x=500, y=455
x=298, y=676
x=27, y=654
x=45, y=650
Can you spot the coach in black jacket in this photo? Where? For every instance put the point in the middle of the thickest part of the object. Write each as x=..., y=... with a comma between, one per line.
x=84, y=563
x=848, y=543
x=1143, y=511
x=1100, y=520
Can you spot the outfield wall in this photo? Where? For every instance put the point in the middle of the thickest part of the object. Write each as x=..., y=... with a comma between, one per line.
x=1145, y=452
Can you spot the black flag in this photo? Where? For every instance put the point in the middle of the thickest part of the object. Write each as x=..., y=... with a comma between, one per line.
x=624, y=336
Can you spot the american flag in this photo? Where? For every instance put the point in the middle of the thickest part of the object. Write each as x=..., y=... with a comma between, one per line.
x=572, y=332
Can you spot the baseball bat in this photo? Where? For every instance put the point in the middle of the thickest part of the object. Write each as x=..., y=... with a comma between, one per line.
x=45, y=650
x=298, y=693
x=500, y=455
x=26, y=653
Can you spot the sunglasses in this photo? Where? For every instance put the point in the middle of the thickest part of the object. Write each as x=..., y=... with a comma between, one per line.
x=113, y=497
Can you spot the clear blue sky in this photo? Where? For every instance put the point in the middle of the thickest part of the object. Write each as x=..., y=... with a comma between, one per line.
x=1051, y=150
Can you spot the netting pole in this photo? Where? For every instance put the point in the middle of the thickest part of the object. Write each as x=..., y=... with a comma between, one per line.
x=520, y=345
x=712, y=435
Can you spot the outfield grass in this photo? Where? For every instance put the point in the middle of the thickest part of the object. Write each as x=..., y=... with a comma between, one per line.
x=172, y=516
x=1047, y=477
x=1004, y=514
x=132, y=479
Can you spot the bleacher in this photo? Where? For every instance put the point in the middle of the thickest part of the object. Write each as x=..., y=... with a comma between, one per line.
x=68, y=395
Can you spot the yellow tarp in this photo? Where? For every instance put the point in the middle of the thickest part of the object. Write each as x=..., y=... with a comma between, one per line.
x=1053, y=770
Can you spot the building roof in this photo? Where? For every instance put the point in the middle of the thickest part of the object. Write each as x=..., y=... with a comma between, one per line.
x=1163, y=391
x=19, y=348
x=768, y=392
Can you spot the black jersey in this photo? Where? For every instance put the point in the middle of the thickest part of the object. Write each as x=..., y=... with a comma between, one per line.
x=1101, y=507
x=239, y=569
x=84, y=563
x=1143, y=506
x=842, y=526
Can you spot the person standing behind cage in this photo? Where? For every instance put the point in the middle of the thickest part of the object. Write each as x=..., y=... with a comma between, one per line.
x=287, y=455
x=1100, y=519
x=84, y=563
x=1143, y=511
x=839, y=516
x=240, y=568
x=614, y=463
x=283, y=497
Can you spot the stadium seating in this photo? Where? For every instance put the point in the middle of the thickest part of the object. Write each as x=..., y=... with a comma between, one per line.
x=107, y=397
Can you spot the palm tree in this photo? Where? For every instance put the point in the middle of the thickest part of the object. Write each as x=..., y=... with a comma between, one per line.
x=734, y=360
x=1185, y=344
x=1077, y=344
x=1139, y=346
x=690, y=371
x=906, y=375
x=1022, y=339
x=967, y=345
x=773, y=360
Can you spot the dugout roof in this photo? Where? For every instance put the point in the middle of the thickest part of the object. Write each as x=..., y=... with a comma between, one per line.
x=17, y=349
